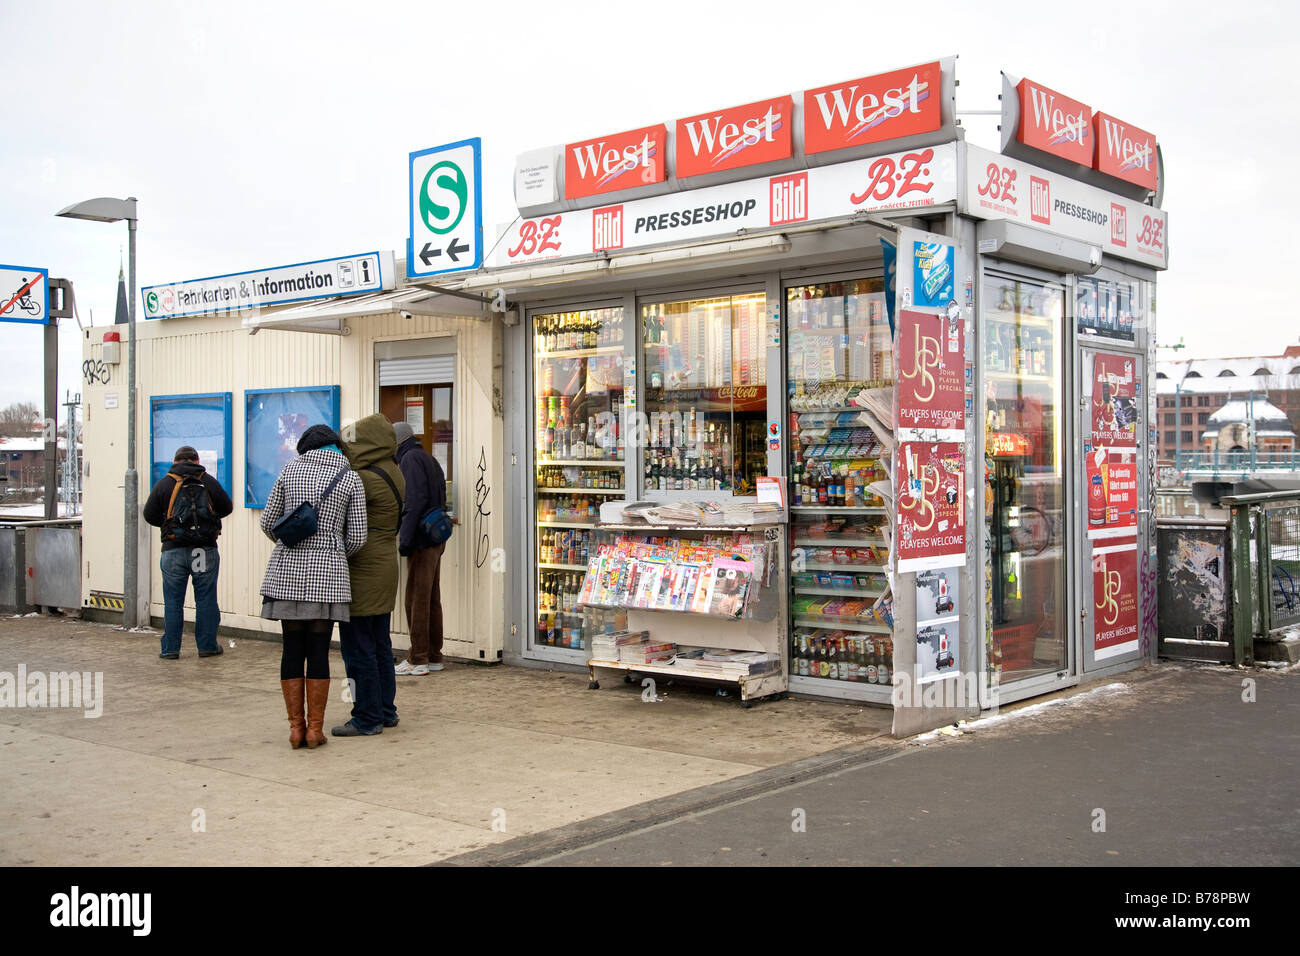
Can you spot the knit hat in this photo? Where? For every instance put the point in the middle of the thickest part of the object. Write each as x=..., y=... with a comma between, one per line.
x=185, y=453
x=403, y=431
x=318, y=436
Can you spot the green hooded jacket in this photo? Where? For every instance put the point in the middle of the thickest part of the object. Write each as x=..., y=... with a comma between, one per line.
x=374, y=567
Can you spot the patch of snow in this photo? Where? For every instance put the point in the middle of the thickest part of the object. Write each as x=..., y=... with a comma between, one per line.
x=1034, y=709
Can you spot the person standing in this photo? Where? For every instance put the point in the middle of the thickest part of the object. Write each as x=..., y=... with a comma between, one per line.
x=426, y=488
x=367, y=643
x=188, y=504
x=306, y=587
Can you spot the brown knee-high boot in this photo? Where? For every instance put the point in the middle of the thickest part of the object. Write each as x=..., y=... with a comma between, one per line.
x=318, y=692
x=293, y=704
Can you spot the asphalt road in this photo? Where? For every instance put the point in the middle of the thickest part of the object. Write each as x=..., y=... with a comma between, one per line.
x=1177, y=769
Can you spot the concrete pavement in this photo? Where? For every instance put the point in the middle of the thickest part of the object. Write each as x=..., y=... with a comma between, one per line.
x=189, y=763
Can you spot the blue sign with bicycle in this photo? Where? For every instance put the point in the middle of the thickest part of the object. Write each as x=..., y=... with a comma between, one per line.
x=24, y=294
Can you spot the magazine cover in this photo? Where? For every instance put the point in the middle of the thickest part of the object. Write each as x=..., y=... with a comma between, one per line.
x=731, y=580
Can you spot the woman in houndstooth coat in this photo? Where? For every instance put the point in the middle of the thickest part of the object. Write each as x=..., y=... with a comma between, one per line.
x=307, y=587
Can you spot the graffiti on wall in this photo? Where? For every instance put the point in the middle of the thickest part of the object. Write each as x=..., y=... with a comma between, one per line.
x=482, y=544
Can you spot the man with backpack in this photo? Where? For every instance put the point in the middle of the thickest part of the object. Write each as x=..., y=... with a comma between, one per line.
x=426, y=489
x=188, y=505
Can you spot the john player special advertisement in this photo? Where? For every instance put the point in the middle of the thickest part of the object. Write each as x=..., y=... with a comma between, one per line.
x=930, y=493
x=931, y=363
x=1114, y=599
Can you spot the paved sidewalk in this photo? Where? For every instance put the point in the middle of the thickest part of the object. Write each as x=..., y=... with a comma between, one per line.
x=190, y=741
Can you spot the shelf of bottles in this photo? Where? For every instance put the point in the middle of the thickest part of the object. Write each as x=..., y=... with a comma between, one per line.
x=1022, y=350
x=579, y=453
x=705, y=381
x=838, y=343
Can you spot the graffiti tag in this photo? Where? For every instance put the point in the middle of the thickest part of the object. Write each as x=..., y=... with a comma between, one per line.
x=481, y=513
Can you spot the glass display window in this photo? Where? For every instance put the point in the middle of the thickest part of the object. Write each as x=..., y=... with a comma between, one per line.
x=837, y=344
x=705, y=381
x=579, y=452
x=1023, y=347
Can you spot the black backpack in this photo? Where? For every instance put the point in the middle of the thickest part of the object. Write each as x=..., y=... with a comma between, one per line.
x=190, y=519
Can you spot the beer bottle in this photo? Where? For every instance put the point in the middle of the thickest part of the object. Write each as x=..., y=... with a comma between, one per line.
x=872, y=670
x=823, y=660
x=832, y=661
x=886, y=662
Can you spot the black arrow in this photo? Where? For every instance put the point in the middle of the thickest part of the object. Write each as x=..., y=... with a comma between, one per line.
x=427, y=253
x=453, y=249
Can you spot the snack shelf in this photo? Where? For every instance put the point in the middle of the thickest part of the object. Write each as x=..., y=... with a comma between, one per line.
x=838, y=592
x=586, y=491
x=581, y=353
x=847, y=567
x=833, y=623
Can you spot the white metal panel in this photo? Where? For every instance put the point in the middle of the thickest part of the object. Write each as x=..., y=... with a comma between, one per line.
x=423, y=370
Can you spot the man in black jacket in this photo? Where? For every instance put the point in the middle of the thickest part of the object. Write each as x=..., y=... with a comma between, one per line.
x=426, y=488
x=188, y=505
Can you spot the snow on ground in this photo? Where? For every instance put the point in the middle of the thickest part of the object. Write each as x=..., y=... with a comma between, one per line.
x=981, y=723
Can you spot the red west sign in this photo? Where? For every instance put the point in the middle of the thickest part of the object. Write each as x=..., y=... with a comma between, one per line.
x=1124, y=151
x=873, y=108
x=610, y=163
x=1054, y=123
x=740, y=136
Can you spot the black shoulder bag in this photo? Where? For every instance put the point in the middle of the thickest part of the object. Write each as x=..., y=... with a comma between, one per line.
x=301, y=523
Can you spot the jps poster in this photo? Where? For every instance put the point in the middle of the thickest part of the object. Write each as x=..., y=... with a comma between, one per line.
x=1114, y=599
x=931, y=364
x=932, y=265
x=930, y=492
x=1114, y=400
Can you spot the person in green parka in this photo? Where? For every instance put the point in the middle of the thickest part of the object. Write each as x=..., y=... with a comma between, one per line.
x=367, y=644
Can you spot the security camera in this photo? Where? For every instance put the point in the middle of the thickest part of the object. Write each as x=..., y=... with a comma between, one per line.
x=407, y=315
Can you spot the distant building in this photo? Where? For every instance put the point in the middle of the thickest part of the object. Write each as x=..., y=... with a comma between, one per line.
x=1190, y=393
x=1231, y=427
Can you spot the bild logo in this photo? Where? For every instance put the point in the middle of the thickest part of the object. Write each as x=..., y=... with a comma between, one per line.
x=444, y=196
x=789, y=198
x=607, y=228
x=1040, y=200
x=1118, y=224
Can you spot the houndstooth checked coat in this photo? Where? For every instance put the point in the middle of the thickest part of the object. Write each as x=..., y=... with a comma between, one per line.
x=315, y=569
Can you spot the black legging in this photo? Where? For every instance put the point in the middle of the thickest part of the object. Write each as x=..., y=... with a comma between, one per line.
x=306, y=641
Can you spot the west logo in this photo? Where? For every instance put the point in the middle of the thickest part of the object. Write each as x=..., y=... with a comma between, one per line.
x=623, y=161
x=741, y=136
x=1124, y=151
x=871, y=109
x=1054, y=123
x=607, y=228
x=789, y=198
x=1040, y=200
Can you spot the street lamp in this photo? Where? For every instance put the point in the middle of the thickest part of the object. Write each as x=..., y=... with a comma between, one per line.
x=106, y=209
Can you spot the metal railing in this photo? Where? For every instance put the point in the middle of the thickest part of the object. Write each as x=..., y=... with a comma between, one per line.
x=1265, y=567
x=1236, y=464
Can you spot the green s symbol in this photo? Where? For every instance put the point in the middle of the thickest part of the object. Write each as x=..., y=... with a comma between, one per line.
x=447, y=179
x=151, y=302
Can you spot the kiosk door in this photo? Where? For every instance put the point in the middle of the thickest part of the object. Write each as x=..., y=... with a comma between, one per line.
x=1111, y=429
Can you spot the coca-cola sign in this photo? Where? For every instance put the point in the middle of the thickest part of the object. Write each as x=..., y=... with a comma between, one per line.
x=1125, y=151
x=747, y=135
x=873, y=108
x=1054, y=123
x=608, y=164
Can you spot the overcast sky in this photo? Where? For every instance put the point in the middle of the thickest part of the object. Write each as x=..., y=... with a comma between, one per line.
x=260, y=134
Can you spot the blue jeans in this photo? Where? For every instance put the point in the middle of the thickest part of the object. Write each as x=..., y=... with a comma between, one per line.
x=367, y=648
x=178, y=566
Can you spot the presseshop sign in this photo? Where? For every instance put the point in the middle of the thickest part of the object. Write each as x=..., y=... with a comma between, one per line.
x=911, y=179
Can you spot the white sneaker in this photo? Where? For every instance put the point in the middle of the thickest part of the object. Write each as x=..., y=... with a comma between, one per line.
x=405, y=669
x=434, y=667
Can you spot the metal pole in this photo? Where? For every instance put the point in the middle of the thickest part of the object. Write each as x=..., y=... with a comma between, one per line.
x=1178, y=433
x=131, y=551
x=51, y=417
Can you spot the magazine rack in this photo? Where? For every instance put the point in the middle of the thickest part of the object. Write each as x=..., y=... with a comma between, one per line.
x=764, y=631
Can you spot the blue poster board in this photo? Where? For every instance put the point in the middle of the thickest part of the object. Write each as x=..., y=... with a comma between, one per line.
x=274, y=420
x=200, y=421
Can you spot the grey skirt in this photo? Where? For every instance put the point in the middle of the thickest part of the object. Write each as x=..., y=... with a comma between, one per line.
x=274, y=610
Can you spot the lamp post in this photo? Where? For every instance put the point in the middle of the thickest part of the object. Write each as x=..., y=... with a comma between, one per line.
x=106, y=209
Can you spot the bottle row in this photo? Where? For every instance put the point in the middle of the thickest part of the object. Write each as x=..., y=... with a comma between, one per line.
x=830, y=395
x=571, y=331
x=839, y=655
x=557, y=592
x=836, y=484
x=677, y=472
x=576, y=630
x=557, y=476
x=570, y=508
x=564, y=547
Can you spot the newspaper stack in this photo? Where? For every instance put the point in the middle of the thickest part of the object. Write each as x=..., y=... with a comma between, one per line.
x=735, y=663
x=646, y=651
x=605, y=647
